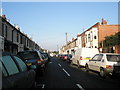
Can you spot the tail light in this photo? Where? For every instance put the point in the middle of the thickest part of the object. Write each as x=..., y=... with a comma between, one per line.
x=108, y=66
x=39, y=61
x=65, y=57
x=81, y=58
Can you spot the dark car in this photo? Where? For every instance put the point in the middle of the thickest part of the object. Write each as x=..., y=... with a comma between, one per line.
x=46, y=56
x=33, y=57
x=15, y=73
x=66, y=57
x=69, y=58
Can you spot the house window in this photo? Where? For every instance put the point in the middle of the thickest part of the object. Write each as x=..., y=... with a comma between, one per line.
x=6, y=32
x=88, y=37
x=95, y=37
x=17, y=37
x=2, y=29
x=12, y=34
x=21, y=39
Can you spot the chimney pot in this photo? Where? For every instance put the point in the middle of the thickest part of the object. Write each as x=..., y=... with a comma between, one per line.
x=104, y=22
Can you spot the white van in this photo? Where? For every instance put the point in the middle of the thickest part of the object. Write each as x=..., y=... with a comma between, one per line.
x=82, y=55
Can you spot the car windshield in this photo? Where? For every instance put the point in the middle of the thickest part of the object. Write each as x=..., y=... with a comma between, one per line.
x=114, y=58
x=28, y=55
x=45, y=55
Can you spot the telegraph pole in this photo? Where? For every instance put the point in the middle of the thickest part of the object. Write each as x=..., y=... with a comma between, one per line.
x=1, y=11
x=57, y=48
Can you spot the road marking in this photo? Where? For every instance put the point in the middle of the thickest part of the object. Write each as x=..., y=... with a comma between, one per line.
x=50, y=62
x=66, y=72
x=59, y=65
x=43, y=86
x=79, y=86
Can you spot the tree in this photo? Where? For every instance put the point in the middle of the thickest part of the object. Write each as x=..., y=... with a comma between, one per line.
x=111, y=40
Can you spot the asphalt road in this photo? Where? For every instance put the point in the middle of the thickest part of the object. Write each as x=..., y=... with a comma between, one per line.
x=61, y=74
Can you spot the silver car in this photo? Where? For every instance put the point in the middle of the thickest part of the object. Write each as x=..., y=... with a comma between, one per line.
x=104, y=63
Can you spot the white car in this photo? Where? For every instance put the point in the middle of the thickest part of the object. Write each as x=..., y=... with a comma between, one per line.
x=104, y=63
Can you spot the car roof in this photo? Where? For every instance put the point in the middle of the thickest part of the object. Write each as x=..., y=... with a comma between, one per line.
x=6, y=53
x=28, y=51
x=110, y=53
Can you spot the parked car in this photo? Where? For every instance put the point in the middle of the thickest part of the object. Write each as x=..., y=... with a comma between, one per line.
x=46, y=56
x=33, y=57
x=66, y=57
x=105, y=63
x=82, y=55
x=69, y=58
x=15, y=73
x=60, y=56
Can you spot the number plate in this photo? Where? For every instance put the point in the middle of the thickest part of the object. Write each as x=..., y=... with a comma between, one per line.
x=29, y=64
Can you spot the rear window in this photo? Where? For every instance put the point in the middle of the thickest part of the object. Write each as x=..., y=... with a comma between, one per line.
x=10, y=65
x=70, y=56
x=28, y=55
x=45, y=55
x=114, y=58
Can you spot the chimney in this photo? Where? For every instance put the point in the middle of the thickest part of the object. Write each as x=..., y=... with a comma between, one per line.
x=17, y=27
x=73, y=39
x=103, y=22
x=3, y=16
x=78, y=35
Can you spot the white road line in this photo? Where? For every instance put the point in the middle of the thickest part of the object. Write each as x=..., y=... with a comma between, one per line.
x=66, y=72
x=50, y=62
x=59, y=65
x=79, y=86
x=43, y=86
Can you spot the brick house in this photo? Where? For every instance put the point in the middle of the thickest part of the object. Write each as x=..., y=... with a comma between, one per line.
x=93, y=36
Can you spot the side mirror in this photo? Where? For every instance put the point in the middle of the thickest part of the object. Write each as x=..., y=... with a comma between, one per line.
x=33, y=67
x=102, y=60
x=89, y=59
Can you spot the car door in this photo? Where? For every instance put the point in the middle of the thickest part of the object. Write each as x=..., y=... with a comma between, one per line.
x=29, y=75
x=98, y=62
x=12, y=77
x=15, y=77
x=92, y=62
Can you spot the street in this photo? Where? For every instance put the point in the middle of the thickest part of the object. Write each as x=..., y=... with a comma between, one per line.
x=61, y=74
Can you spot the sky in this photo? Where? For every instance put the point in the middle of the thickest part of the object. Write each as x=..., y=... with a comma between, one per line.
x=47, y=22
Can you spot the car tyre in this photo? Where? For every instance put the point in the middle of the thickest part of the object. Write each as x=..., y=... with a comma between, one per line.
x=78, y=65
x=34, y=85
x=102, y=73
x=87, y=68
x=71, y=63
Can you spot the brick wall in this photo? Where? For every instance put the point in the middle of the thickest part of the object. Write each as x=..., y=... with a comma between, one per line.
x=107, y=30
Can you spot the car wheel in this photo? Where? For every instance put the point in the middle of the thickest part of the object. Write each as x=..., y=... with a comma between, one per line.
x=34, y=85
x=102, y=73
x=71, y=63
x=78, y=65
x=87, y=68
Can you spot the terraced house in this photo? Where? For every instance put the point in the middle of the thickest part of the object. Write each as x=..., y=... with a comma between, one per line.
x=14, y=39
x=95, y=37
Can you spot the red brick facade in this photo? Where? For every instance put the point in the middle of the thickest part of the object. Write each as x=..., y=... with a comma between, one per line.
x=107, y=30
